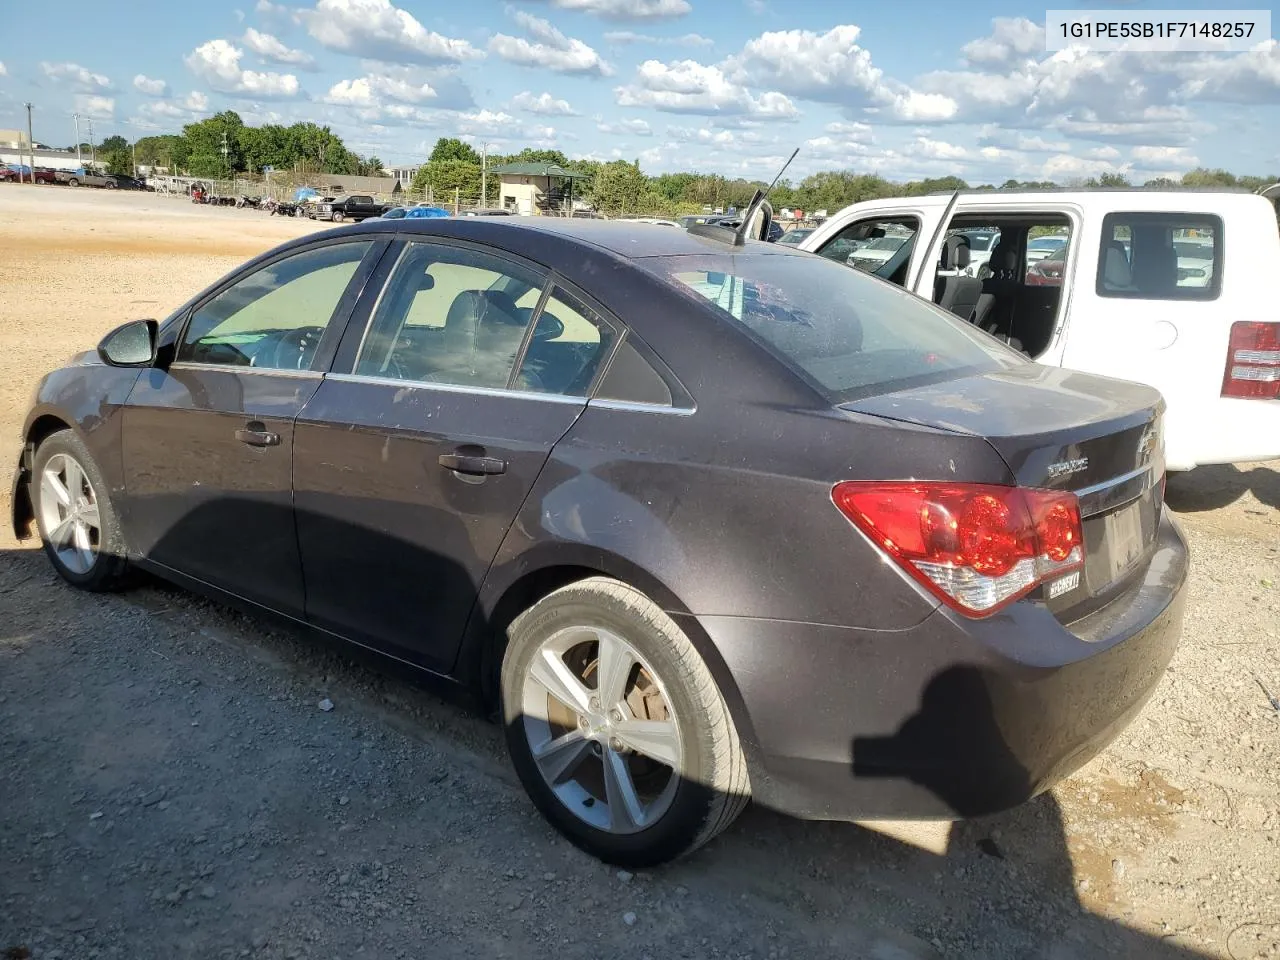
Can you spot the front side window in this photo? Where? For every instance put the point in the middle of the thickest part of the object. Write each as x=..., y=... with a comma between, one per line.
x=1160, y=256
x=881, y=247
x=275, y=317
x=846, y=334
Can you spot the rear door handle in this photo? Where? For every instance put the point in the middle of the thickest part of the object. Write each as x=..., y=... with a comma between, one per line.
x=255, y=434
x=477, y=466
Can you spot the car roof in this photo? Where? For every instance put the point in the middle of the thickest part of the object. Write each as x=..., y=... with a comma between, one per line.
x=627, y=239
x=1104, y=200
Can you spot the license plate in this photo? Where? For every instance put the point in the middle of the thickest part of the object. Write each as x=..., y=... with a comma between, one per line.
x=1125, y=538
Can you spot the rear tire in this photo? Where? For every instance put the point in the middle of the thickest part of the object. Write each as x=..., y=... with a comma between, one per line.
x=73, y=182
x=78, y=525
x=644, y=769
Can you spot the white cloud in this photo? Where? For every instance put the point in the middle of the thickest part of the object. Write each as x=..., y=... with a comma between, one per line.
x=4, y=71
x=833, y=68
x=1011, y=39
x=997, y=136
x=686, y=86
x=95, y=107
x=152, y=88
x=1064, y=166
x=1103, y=153
x=81, y=78
x=543, y=103
x=630, y=36
x=627, y=9
x=549, y=49
x=217, y=63
x=370, y=91
x=936, y=149
x=272, y=50
x=1251, y=77
x=858, y=132
x=1163, y=158
x=194, y=105
x=639, y=128
x=381, y=31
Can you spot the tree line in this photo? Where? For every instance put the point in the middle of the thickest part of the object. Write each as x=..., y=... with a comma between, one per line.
x=616, y=188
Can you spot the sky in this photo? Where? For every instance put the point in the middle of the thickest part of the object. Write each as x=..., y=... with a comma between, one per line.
x=906, y=89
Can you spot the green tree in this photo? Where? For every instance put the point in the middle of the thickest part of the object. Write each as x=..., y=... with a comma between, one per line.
x=451, y=148
x=1112, y=180
x=117, y=160
x=1162, y=183
x=444, y=177
x=620, y=188
x=530, y=155
x=205, y=140
x=1200, y=177
x=113, y=143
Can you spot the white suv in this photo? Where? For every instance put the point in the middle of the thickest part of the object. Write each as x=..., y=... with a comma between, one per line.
x=1168, y=288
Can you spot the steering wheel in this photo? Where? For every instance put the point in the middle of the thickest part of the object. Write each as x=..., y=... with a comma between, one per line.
x=295, y=348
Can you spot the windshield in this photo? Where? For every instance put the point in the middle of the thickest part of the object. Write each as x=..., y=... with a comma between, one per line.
x=849, y=335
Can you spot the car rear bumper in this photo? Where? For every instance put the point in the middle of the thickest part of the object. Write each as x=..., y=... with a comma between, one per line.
x=952, y=718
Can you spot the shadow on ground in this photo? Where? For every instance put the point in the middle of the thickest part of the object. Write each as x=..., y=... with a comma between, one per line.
x=1216, y=486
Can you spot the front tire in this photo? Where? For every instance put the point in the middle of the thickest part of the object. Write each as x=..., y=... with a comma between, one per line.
x=338, y=216
x=616, y=727
x=73, y=182
x=78, y=526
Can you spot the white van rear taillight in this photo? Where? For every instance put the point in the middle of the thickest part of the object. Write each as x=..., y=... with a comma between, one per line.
x=1253, y=361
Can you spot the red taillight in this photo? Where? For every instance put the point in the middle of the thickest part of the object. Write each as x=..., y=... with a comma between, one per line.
x=1253, y=361
x=977, y=547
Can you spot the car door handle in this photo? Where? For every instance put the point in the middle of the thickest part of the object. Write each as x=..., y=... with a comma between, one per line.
x=255, y=434
x=478, y=466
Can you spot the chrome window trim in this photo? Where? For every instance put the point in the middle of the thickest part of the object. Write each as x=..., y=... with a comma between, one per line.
x=633, y=406
x=455, y=388
x=233, y=368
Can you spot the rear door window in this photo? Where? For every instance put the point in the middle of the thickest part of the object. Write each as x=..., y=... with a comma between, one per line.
x=1160, y=256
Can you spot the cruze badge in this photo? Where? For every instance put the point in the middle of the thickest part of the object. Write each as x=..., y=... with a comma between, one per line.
x=1057, y=470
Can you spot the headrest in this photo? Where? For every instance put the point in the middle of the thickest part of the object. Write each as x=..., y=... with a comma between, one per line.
x=1116, y=272
x=955, y=252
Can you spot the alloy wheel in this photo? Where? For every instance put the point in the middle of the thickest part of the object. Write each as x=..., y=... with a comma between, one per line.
x=601, y=729
x=69, y=513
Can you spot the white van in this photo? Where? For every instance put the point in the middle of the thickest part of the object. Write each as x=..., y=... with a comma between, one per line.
x=1169, y=288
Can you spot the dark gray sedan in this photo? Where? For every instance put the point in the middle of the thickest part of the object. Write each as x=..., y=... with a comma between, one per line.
x=703, y=521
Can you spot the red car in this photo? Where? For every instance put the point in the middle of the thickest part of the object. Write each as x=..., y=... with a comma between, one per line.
x=45, y=175
x=1048, y=272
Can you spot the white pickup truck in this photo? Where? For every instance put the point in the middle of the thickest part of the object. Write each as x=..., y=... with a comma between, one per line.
x=1170, y=288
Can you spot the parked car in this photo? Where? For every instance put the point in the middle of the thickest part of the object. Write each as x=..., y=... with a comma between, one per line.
x=355, y=207
x=796, y=235
x=8, y=175
x=45, y=175
x=1048, y=272
x=395, y=213
x=82, y=178
x=123, y=181
x=658, y=220
x=422, y=212
x=1040, y=247
x=1129, y=304
x=644, y=493
x=489, y=212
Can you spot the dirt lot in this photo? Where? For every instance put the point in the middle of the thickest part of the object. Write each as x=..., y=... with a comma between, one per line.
x=170, y=789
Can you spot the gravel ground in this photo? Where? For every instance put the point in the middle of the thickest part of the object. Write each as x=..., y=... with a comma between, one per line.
x=172, y=788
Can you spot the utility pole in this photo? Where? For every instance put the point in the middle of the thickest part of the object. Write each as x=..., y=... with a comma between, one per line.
x=135, y=158
x=484, y=174
x=226, y=164
x=79, y=159
x=93, y=147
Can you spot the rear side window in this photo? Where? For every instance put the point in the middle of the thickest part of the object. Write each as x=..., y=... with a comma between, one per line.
x=1160, y=256
x=847, y=334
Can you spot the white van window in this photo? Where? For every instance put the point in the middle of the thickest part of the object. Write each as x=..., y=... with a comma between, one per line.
x=1160, y=256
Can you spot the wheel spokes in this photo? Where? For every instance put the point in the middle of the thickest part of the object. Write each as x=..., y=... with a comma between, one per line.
x=84, y=546
x=560, y=756
x=60, y=536
x=89, y=515
x=614, y=661
x=625, y=810
x=657, y=739
x=75, y=479
x=551, y=673
x=52, y=486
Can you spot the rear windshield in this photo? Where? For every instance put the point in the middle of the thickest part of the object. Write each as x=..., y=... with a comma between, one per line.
x=848, y=334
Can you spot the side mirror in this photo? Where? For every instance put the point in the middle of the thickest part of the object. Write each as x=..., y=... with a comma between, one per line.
x=130, y=345
x=761, y=220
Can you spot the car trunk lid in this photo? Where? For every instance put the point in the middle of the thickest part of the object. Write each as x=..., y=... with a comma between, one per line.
x=1059, y=429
